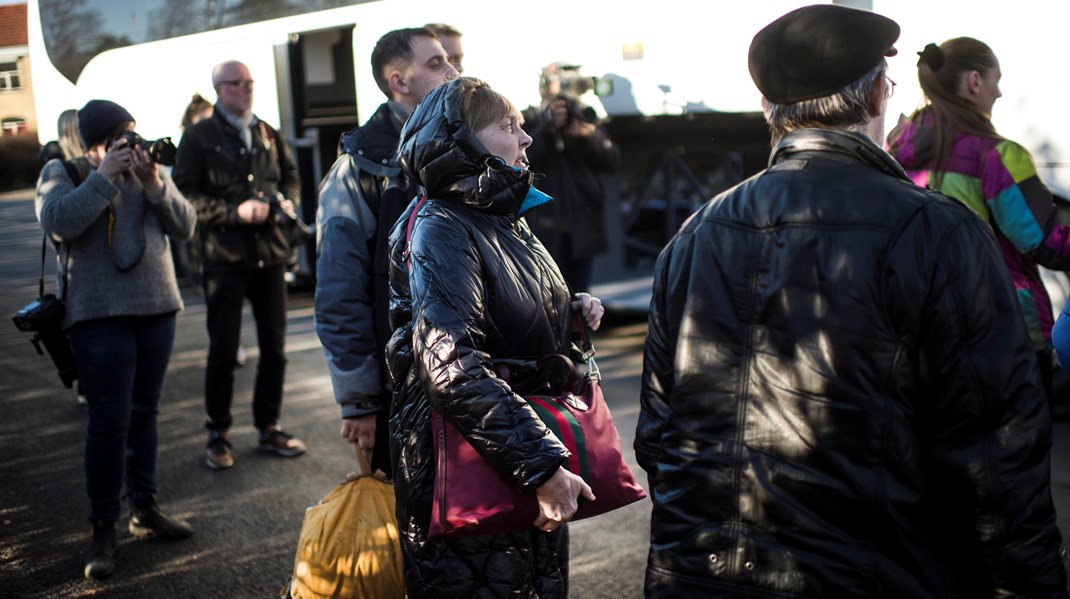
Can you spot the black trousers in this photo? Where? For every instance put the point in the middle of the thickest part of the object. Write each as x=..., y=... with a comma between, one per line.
x=224, y=294
x=577, y=271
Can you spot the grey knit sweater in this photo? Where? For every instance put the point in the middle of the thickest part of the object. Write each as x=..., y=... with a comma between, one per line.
x=133, y=274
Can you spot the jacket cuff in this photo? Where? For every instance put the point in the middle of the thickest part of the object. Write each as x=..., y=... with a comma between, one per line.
x=364, y=407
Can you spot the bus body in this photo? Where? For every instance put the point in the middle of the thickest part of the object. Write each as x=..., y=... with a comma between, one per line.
x=676, y=89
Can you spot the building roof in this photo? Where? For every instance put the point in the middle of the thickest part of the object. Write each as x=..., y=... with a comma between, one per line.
x=13, y=25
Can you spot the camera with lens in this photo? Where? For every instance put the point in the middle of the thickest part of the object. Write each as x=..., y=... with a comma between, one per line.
x=44, y=317
x=573, y=84
x=162, y=151
x=564, y=82
x=296, y=231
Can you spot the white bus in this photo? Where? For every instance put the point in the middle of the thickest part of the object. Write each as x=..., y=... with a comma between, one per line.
x=683, y=106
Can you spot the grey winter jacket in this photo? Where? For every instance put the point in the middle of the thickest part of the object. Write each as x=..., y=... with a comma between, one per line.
x=359, y=200
x=132, y=275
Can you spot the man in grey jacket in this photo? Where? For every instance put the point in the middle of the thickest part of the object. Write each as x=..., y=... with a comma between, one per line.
x=359, y=201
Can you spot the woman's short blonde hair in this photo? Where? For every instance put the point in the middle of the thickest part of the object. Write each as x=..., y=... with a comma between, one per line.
x=481, y=105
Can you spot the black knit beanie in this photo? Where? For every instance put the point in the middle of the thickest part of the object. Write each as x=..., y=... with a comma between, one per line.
x=98, y=119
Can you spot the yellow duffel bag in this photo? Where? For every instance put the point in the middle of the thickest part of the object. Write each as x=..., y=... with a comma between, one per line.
x=349, y=544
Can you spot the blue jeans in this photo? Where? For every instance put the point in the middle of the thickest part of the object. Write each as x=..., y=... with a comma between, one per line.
x=121, y=364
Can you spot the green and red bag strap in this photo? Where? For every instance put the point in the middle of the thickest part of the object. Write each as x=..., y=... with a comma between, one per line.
x=408, y=229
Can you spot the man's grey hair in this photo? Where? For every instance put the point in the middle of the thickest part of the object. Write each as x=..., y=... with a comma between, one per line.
x=846, y=109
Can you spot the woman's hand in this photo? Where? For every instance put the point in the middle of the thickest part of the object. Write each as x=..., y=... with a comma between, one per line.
x=146, y=171
x=591, y=308
x=557, y=499
x=117, y=159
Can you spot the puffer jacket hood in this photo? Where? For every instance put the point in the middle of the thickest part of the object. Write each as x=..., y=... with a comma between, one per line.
x=438, y=150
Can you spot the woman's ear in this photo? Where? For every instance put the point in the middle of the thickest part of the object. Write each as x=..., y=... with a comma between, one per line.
x=971, y=84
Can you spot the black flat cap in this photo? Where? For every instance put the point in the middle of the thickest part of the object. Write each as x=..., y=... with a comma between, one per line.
x=815, y=51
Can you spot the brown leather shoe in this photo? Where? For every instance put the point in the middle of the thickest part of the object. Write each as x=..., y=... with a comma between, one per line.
x=280, y=442
x=218, y=451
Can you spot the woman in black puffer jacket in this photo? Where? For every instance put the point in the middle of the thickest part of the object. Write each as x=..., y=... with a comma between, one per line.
x=471, y=287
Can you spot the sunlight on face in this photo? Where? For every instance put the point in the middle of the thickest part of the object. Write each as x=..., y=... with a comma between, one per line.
x=506, y=139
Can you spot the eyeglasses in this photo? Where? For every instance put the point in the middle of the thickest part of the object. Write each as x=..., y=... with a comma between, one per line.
x=889, y=89
x=246, y=83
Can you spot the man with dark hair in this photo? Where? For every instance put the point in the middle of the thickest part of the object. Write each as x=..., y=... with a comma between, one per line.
x=239, y=174
x=450, y=38
x=839, y=396
x=359, y=201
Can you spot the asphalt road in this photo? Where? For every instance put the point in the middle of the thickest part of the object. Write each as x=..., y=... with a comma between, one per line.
x=247, y=518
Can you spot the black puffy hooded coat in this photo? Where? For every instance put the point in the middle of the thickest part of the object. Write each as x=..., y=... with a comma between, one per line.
x=472, y=286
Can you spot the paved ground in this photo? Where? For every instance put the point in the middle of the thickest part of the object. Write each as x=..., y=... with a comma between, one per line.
x=247, y=518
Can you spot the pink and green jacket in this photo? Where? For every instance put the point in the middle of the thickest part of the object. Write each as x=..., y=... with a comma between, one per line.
x=998, y=180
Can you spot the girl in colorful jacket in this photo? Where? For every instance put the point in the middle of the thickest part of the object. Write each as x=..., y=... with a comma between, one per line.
x=951, y=145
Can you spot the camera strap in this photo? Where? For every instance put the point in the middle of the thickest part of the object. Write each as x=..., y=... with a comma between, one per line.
x=76, y=177
x=66, y=265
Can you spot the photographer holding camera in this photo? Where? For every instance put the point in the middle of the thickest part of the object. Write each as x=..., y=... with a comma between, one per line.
x=234, y=168
x=572, y=149
x=110, y=214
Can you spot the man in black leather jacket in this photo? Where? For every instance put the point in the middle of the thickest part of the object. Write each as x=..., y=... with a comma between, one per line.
x=839, y=396
x=239, y=174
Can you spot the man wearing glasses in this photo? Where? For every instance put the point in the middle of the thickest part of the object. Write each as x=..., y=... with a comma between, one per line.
x=240, y=175
x=839, y=395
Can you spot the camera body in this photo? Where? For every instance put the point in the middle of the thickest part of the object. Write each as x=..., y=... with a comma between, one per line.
x=162, y=151
x=44, y=317
x=574, y=84
x=295, y=230
x=564, y=82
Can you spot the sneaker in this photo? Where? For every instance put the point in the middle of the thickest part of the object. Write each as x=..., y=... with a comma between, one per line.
x=239, y=358
x=82, y=401
x=100, y=561
x=148, y=521
x=280, y=442
x=218, y=452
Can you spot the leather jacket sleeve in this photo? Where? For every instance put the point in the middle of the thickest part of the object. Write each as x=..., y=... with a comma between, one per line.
x=190, y=169
x=289, y=180
x=982, y=414
x=658, y=358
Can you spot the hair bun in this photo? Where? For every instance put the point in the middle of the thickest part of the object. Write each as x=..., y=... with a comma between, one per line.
x=933, y=56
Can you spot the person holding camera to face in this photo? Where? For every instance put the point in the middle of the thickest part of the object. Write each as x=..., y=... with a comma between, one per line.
x=110, y=215
x=573, y=151
x=239, y=173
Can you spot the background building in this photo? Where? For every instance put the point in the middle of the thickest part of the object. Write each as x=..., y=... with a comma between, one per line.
x=19, y=148
x=16, y=89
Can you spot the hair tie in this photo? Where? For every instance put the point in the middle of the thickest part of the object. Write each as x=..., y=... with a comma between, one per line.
x=933, y=56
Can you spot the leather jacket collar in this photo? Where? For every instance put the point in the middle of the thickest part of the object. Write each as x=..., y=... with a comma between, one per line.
x=845, y=143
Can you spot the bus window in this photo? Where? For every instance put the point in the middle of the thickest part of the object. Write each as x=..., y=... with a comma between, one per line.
x=77, y=30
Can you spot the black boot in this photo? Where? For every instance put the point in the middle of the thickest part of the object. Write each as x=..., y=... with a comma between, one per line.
x=101, y=559
x=149, y=521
